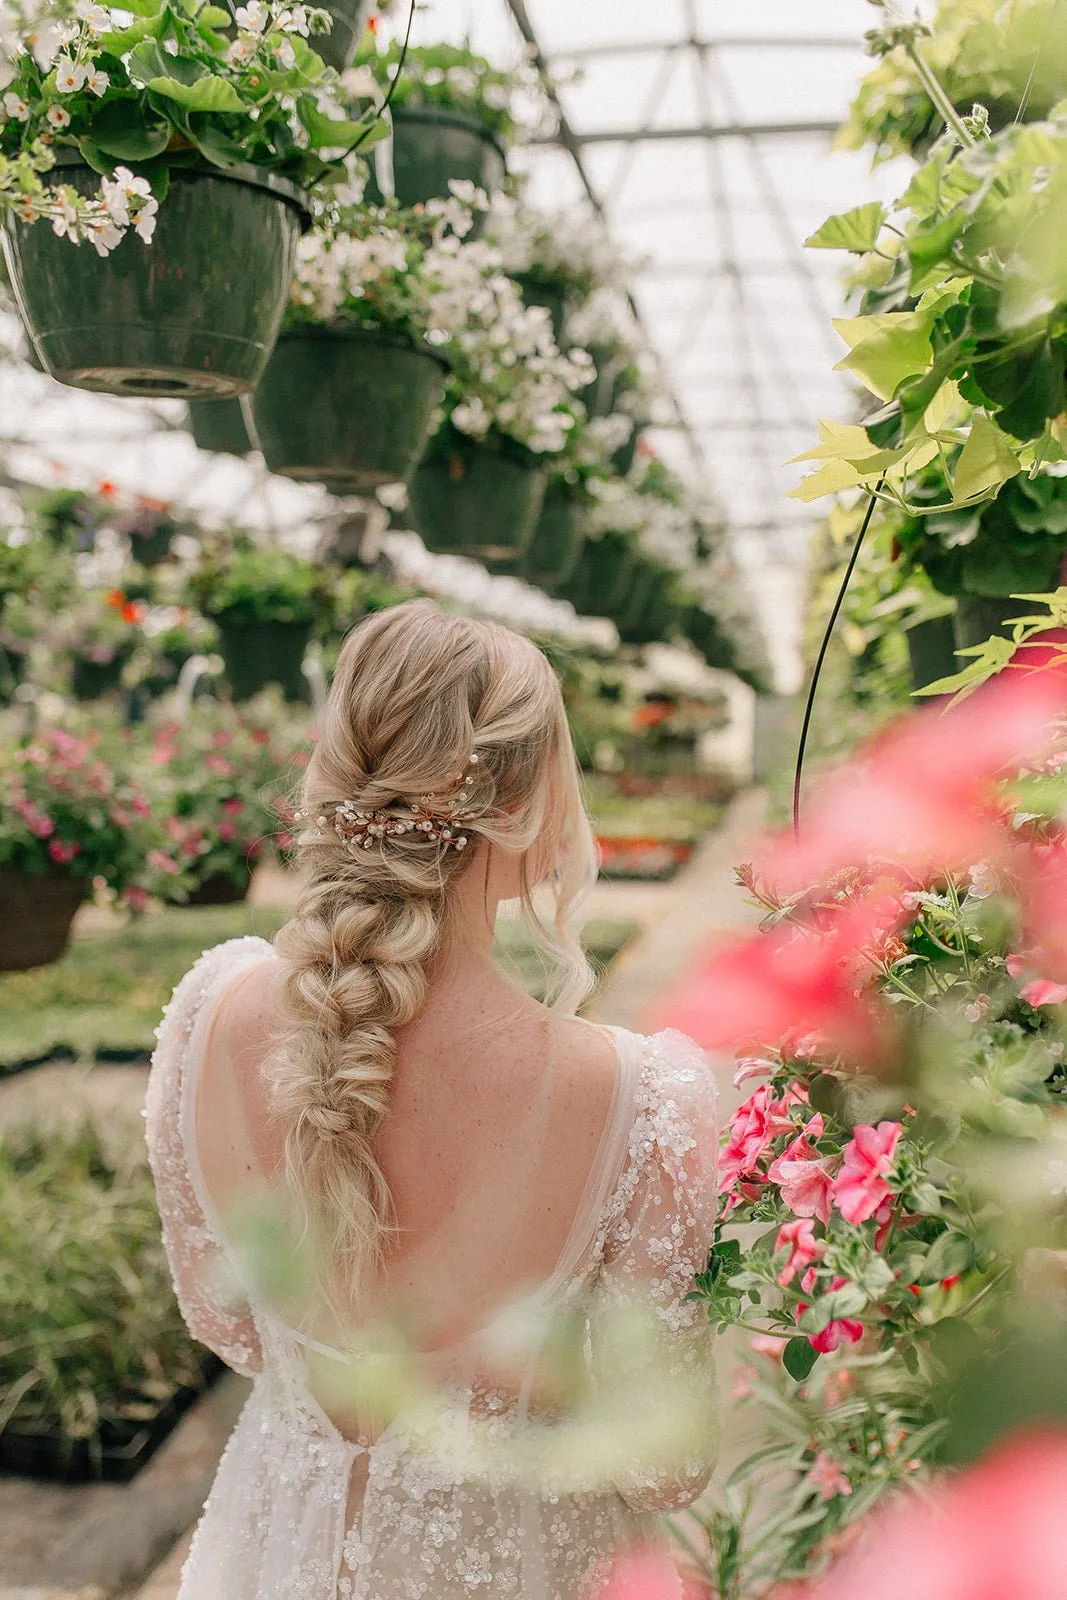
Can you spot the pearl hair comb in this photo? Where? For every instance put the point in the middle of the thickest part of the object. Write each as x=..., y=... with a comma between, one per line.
x=360, y=828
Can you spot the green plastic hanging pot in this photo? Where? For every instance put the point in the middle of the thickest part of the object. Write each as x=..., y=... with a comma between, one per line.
x=705, y=634
x=220, y=425
x=556, y=297
x=651, y=613
x=477, y=502
x=557, y=540
x=339, y=45
x=347, y=407
x=89, y=679
x=36, y=912
x=979, y=616
x=623, y=459
x=598, y=397
x=258, y=653
x=195, y=313
x=432, y=147
x=600, y=583
x=932, y=650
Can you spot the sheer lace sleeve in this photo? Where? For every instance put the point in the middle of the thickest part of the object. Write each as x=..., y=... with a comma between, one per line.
x=657, y=1234
x=203, y=1279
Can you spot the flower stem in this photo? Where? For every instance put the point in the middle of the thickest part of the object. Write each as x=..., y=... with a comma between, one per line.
x=935, y=89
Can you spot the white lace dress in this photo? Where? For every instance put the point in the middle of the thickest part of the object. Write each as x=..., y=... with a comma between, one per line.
x=282, y=1521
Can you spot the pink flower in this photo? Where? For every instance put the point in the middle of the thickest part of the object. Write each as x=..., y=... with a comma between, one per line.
x=63, y=851
x=741, y=1384
x=828, y=1476
x=799, y=1239
x=136, y=897
x=227, y=832
x=220, y=738
x=805, y=1178
x=860, y=1187
x=141, y=806
x=1043, y=992
x=163, y=862
x=753, y=1127
x=233, y=807
x=218, y=765
x=844, y=1330
x=1015, y=965
x=993, y=1533
x=260, y=735
x=764, y=1344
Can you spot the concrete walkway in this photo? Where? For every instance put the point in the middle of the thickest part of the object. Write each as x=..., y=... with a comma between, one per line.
x=125, y=1528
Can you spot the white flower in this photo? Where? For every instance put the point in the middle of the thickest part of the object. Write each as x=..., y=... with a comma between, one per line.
x=15, y=107
x=97, y=81
x=103, y=235
x=240, y=51
x=69, y=75
x=58, y=118
x=96, y=18
x=122, y=188
x=47, y=41
x=65, y=220
x=253, y=17
x=285, y=55
x=145, y=225
x=359, y=82
x=983, y=881
x=294, y=20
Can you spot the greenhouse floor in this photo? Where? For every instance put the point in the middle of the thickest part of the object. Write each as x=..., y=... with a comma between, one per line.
x=98, y=1542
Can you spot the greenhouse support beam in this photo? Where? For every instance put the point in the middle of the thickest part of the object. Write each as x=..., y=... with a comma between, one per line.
x=700, y=130
x=744, y=41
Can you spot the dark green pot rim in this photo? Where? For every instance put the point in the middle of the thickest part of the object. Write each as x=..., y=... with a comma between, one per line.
x=452, y=119
x=327, y=332
x=252, y=177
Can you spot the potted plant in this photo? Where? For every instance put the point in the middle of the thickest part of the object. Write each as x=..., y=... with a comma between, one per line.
x=452, y=118
x=170, y=126
x=225, y=771
x=265, y=603
x=557, y=540
x=557, y=260
x=507, y=413
x=68, y=817
x=99, y=633
x=349, y=395
x=170, y=635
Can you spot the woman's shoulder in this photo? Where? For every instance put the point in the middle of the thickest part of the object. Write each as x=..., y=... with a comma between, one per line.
x=209, y=975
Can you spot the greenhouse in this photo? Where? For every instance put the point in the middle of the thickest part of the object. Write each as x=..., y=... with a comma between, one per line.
x=533, y=690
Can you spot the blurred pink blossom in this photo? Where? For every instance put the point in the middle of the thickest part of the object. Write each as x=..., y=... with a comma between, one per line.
x=1043, y=992
x=799, y=1239
x=828, y=1476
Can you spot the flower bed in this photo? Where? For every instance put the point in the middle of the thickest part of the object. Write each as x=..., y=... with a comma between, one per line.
x=93, y=1381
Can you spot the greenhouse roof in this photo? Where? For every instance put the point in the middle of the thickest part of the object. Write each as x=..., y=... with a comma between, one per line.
x=704, y=138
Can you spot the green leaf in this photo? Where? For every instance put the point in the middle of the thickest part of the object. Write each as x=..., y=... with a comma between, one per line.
x=989, y=658
x=213, y=17
x=929, y=247
x=131, y=144
x=986, y=461
x=886, y=349
x=217, y=146
x=798, y=1358
x=856, y=230
x=147, y=61
x=330, y=133
x=207, y=94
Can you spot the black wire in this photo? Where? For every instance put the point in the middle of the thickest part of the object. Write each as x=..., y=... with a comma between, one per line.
x=384, y=107
x=821, y=657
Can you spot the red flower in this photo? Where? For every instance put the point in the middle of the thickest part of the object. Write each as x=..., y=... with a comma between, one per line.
x=233, y=807
x=132, y=611
x=753, y=1126
x=844, y=1330
x=803, y=1176
x=860, y=1187
x=63, y=851
x=115, y=599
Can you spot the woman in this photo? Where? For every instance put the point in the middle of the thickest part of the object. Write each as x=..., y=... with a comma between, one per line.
x=447, y=1146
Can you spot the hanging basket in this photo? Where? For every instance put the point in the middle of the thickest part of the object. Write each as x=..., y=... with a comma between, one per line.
x=194, y=313
x=36, y=911
x=704, y=633
x=347, y=407
x=651, y=613
x=623, y=459
x=600, y=583
x=598, y=397
x=477, y=502
x=555, y=296
x=431, y=148
x=258, y=653
x=979, y=616
x=220, y=425
x=90, y=680
x=931, y=650
x=339, y=45
x=556, y=544
x=219, y=889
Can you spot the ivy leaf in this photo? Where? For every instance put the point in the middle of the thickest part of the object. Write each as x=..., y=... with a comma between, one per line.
x=856, y=230
x=207, y=94
x=989, y=657
x=986, y=461
x=886, y=349
x=929, y=247
x=798, y=1358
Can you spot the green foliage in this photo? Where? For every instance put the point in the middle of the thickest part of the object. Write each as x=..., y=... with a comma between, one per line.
x=239, y=581
x=450, y=78
x=91, y=1338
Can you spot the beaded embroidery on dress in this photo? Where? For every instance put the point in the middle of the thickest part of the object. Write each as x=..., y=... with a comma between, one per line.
x=279, y=1521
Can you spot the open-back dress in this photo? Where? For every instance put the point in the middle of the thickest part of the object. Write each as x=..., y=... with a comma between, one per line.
x=299, y=1511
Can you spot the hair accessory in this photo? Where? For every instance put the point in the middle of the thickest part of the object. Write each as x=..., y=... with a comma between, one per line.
x=431, y=820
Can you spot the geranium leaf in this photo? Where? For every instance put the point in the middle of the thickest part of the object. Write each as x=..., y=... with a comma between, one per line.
x=886, y=349
x=207, y=94
x=986, y=461
x=856, y=230
x=798, y=1358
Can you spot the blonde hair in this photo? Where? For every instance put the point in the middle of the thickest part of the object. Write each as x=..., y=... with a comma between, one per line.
x=417, y=692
